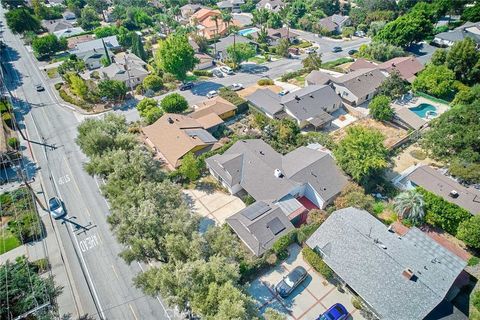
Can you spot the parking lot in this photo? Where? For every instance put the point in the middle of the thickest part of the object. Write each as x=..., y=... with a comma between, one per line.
x=308, y=301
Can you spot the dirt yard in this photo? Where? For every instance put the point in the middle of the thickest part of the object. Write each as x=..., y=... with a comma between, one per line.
x=392, y=133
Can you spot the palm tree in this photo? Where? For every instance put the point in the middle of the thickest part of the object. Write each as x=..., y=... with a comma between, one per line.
x=409, y=205
x=227, y=18
x=215, y=19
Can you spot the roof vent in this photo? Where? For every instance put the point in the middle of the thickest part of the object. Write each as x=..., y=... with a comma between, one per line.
x=297, y=98
x=391, y=228
x=262, y=153
x=454, y=194
x=408, y=273
x=170, y=120
x=278, y=173
x=393, y=64
x=311, y=96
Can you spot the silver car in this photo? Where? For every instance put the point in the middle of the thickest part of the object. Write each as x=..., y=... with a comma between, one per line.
x=56, y=208
x=212, y=94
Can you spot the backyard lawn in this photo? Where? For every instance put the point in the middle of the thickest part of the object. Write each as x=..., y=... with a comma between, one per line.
x=8, y=241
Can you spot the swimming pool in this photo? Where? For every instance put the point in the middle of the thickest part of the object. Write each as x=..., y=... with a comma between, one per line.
x=246, y=32
x=425, y=110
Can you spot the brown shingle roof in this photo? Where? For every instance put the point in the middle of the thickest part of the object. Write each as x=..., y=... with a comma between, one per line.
x=408, y=67
x=217, y=105
x=361, y=64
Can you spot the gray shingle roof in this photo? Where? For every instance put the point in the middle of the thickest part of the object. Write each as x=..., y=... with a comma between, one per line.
x=110, y=42
x=468, y=29
x=409, y=117
x=266, y=100
x=371, y=259
x=362, y=81
x=224, y=43
x=311, y=101
x=318, y=77
x=252, y=164
x=259, y=225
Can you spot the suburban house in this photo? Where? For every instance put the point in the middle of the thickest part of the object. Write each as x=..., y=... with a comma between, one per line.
x=218, y=105
x=274, y=35
x=204, y=61
x=57, y=25
x=202, y=20
x=407, y=67
x=108, y=15
x=271, y=5
x=310, y=106
x=125, y=67
x=334, y=23
x=397, y=276
x=448, y=38
x=361, y=64
x=69, y=16
x=231, y=5
x=222, y=44
x=359, y=86
x=437, y=183
x=292, y=184
x=93, y=51
x=190, y=8
x=175, y=135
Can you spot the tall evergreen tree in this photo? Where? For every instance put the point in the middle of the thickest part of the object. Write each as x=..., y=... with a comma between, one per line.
x=137, y=47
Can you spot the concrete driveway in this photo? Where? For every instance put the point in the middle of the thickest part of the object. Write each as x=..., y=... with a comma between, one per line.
x=308, y=301
x=214, y=205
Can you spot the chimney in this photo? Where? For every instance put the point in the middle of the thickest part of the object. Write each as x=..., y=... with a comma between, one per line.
x=278, y=173
x=297, y=98
x=170, y=120
x=454, y=194
x=408, y=273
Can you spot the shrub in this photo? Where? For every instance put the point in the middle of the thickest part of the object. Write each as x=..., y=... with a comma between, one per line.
x=473, y=261
x=356, y=303
x=418, y=154
x=290, y=75
x=58, y=85
x=443, y=214
x=174, y=103
x=378, y=207
x=303, y=45
x=469, y=232
x=152, y=82
x=41, y=265
x=13, y=143
x=202, y=73
x=7, y=117
x=248, y=200
x=284, y=241
x=265, y=82
x=317, y=263
x=67, y=98
x=316, y=216
x=476, y=299
x=233, y=97
x=306, y=231
x=380, y=108
x=4, y=106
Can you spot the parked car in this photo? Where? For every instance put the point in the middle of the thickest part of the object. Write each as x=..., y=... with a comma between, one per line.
x=226, y=70
x=39, y=88
x=337, y=49
x=284, y=92
x=310, y=50
x=335, y=312
x=352, y=52
x=217, y=73
x=285, y=287
x=212, y=94
x=186, y=86
x=235, y=87
x=294, y=51
x=55, y=206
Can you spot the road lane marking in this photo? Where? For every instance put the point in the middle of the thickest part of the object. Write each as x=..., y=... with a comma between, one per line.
x=64, y=179
x=89, y=243
x=115, y=271
x=133, y=312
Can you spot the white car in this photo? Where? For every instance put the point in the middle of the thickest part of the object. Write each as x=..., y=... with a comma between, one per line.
x=226, y=70
x=55, y=206
x=212, y=94
x=310, y=50
x=235, y=86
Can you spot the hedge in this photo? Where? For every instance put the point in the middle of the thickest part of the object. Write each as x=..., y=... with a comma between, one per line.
x=303, y=44
x=265, y=82
x=67, y=98
x=441, y=213
x=233, y=97
x=280, y=246
x=294, y=74
x=317, y=263
x=202, y=73
x=58, y=85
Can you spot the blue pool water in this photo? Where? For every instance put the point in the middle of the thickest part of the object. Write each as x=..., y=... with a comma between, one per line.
x=425, y=110
x=248, y=31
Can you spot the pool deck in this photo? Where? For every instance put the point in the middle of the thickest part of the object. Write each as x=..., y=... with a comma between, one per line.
x=441, y=108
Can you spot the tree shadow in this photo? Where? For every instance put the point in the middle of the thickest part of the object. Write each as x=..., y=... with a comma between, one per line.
x=13, y=78
x=202, y=88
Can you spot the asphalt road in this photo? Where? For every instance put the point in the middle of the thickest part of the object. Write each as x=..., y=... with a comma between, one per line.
x=101, y=279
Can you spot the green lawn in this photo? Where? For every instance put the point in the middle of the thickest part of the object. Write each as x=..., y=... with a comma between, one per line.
x=8, y=242
x=52, y=73
x=191, y=77
x=257, y=59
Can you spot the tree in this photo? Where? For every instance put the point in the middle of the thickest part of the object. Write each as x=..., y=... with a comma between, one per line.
x=137, y=47
x=240, y=52
x=361, y=153
x=435, y=80
x=106, y=31
x=282, y=48
x=152, y=82
x=89, y=19
x=409, y=205
x=71, y=64
x=97, y=5
x=174, y=103
x=439, y=57
x=48, y=45
x=190, y=167
x=467, y=96
x=348, y=32
x=77, y=85
x=380, y=108
x=272, y=314
x=353, y=195
x=176, y=56
x=113, y=90
x=379, y=51
x=463, y=60
x=312, y=62
x=274, y=20
x=26, y=289
x=467, y=171
x=149, y=110
x=472, y=14
x=21, y=20
x=394, y=86
x=469, y=232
